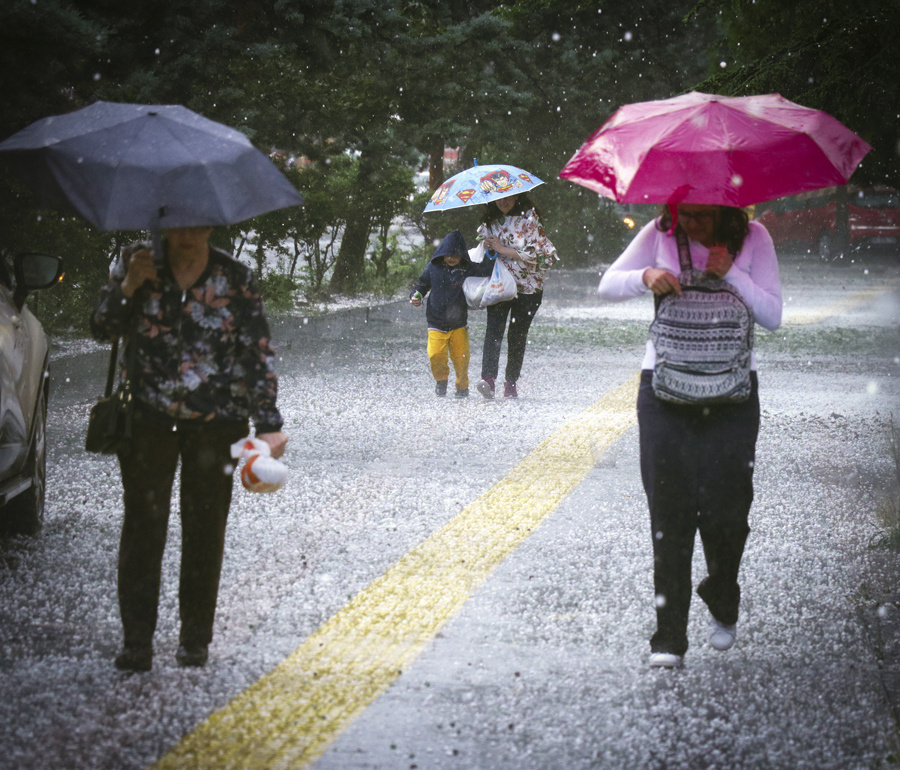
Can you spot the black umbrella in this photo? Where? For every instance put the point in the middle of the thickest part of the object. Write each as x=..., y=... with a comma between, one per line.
x=146, y=167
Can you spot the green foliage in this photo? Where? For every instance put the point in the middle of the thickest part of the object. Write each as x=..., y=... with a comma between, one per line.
x=47, y=51
x=366, y=93
x=278, y=292
x=87, y=254
x=842, y=60
x=395, y=281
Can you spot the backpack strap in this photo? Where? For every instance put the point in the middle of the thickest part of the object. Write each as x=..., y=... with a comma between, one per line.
x=684, y=259
x=684, y=250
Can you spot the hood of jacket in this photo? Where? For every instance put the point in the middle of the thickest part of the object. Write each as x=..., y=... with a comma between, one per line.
x=453, y=243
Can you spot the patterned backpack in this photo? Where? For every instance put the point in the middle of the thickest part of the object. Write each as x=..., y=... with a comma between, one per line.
x=703, y=339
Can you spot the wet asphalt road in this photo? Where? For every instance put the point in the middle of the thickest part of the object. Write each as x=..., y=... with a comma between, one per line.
x=545, y=665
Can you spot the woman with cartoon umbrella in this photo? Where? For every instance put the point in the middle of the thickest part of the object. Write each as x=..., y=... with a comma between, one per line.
x=512, y=229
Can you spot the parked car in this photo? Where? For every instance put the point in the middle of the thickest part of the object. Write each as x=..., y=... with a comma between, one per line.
x=24, y=388
x=814, y=219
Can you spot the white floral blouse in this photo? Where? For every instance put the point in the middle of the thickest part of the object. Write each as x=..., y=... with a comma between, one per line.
x=526, y=235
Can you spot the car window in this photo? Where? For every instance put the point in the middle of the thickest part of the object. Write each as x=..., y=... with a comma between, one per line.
x=884, y=200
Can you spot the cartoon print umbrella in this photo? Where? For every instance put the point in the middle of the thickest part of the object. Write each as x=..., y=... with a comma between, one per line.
x=481, y=184
x=704, y=148
x=140, y=167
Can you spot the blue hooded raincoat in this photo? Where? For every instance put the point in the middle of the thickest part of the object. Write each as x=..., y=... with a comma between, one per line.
x=446, y=308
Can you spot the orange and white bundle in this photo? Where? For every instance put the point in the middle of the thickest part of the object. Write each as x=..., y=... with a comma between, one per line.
x=260, y=472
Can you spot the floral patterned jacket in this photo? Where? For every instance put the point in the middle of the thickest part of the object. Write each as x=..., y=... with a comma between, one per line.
x=202, y=354
x=526, y=235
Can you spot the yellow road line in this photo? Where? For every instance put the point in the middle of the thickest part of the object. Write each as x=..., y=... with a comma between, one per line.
x=803, y=317
x=289, y=717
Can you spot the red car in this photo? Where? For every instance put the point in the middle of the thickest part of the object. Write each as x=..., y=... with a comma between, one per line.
x=873, y=219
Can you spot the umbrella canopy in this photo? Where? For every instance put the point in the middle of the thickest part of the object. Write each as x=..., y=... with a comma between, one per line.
x=140, y=167
x=481, y=184
x=703, y=148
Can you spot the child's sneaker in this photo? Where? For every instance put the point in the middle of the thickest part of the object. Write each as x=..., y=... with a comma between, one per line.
x=666, y=660
x=462, y=392
x=486, y=387
x=440, y=388
x=509, y=390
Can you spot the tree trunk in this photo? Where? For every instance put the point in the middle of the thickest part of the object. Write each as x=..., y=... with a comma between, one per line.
x=260, y=259
x=351, y=258
x=435, y=162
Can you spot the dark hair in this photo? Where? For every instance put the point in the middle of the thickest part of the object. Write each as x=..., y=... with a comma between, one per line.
x=520, y=208
x=733, y=226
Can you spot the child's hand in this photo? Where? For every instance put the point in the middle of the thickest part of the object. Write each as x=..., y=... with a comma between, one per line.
x=416, y=299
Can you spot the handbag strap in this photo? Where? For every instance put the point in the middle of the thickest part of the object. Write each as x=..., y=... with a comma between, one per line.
x=111, y=373
x=114, y=359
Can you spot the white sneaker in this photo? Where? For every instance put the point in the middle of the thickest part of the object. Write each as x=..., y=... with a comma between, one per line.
x=721, y=636
x=666, y=660
x=486, y=388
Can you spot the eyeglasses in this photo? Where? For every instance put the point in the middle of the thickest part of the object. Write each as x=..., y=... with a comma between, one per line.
x=697, y=216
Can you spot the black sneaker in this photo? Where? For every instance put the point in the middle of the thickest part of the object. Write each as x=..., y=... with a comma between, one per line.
x=462, y=392
x=440, y=388
x=192, y=656
x=137, y=659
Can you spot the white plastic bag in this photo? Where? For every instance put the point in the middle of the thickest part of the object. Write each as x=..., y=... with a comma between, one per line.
x=477, y=254
x=497, y=287
x=261, y=472
x=501, y=285
x=473, y=288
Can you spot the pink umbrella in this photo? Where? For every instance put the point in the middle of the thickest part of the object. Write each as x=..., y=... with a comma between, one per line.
x=704, y=148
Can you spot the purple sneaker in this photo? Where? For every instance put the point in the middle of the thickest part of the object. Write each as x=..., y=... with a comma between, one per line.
x=509, y=390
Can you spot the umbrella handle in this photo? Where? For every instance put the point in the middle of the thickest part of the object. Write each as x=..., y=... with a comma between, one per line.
x=156, y=238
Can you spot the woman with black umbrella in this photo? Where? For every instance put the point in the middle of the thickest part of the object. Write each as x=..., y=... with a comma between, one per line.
x=197, y=343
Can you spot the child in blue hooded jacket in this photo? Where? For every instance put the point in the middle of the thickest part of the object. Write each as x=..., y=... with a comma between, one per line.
x=446, y=310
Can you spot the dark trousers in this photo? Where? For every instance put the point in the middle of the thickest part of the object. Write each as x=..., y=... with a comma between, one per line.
x=697, y=469
x=520, y=311
x=148, y=473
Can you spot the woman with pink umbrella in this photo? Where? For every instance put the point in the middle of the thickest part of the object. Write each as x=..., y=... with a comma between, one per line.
x=714, y=274
x=697, y=460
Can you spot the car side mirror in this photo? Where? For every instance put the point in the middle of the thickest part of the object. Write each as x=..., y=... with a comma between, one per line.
x=33, y=272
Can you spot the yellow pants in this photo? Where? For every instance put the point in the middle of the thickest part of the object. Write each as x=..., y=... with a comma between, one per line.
x=455, y=345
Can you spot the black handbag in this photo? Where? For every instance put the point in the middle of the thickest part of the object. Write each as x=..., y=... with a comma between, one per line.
x=110, y=421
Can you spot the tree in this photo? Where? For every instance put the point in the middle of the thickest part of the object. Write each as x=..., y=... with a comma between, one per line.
x=842, y=60
x=365, y=92
x=586, y=59
x=47, y=55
